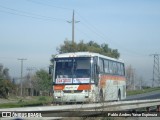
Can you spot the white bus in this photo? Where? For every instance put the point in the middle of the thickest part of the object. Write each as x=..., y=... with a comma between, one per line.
x=88, y=77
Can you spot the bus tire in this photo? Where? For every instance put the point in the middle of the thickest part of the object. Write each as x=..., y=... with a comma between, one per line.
x=101, y=95
x=119, y=95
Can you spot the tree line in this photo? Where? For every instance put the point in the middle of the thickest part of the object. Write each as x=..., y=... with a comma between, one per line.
x=32, y=83
x=91, y=46
x=6, y=85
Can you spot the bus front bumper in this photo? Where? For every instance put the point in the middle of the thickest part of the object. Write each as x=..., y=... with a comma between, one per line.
x=71, y=98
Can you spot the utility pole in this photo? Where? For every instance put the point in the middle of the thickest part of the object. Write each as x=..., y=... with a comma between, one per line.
x=156, y=73
x=73, y=22
x=30, y=69
x=21, y=59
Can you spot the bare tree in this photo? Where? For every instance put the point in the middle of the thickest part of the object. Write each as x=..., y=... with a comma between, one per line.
x=130, y=76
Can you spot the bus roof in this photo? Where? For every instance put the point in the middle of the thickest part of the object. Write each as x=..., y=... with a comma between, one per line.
x=85, y=54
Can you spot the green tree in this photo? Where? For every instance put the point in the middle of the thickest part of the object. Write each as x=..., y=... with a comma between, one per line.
x=67, y=47
x=43, y=80
x=6, y=85
x=91, y=46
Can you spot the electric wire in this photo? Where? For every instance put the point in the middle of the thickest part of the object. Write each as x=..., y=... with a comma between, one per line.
x=42, y=17
x=40, y=3
x=28, y=14
x=103, y=37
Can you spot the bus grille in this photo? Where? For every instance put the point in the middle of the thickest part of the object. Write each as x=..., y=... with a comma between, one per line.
x=72, y=91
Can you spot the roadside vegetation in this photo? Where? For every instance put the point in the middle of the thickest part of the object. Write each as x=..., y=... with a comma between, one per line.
x=145, y=90
x=27, y=101
x=36, y=89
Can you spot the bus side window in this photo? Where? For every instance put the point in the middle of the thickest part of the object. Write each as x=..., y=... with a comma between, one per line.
x=101, y=65
x=122, y=69
x=106, y=66
x=114, y=68
x=119, y=68
x=110, y=67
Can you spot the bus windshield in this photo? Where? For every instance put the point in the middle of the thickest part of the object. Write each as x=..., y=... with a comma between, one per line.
x=73, y=70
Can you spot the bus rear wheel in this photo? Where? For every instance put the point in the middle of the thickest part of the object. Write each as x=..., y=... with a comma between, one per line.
x=101, y=95
x=119, y=95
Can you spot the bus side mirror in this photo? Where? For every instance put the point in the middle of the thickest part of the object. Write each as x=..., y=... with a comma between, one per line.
x=53, y=83
x=50, y=70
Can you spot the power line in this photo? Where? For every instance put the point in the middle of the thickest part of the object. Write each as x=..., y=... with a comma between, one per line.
x=86, y=24
x=42, y=17
x=28, y=14
x=40, y=3
x=95, y=31
x=81, y=31
x=1, y=57
x=156, y=72
x=91, y=27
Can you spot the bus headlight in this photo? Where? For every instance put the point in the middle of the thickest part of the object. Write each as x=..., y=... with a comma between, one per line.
x=86, y=91
x=57, y=97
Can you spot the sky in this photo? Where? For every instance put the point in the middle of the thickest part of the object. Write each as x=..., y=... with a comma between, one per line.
x=33, y=29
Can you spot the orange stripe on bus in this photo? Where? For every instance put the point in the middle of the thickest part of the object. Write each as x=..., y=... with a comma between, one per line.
x=108, y=77
x=59, y=87
x=104, y=78
x=84, y=87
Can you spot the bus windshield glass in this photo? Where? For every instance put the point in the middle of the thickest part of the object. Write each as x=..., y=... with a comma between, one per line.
x=73, y=70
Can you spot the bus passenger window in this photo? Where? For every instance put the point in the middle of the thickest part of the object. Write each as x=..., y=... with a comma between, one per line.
x=110, y=67
x=101, y=65
x=114, y=68
x=119, y=68
x=106, y=66
x=122, y=69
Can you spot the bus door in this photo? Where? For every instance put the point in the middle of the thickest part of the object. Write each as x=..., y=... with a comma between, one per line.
x=95, y=71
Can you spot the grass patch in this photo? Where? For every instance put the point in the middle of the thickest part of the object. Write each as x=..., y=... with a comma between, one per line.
x=33, y=101
x=134, y=92
x=42, y=99
x=24, y=104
